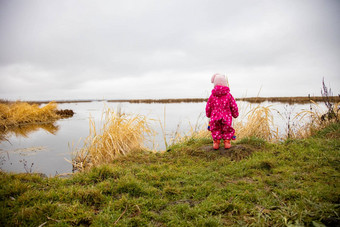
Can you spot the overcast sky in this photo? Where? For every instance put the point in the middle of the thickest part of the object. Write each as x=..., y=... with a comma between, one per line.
x=125, y=49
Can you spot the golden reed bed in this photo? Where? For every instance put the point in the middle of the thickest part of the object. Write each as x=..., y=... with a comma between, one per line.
x=21, y=114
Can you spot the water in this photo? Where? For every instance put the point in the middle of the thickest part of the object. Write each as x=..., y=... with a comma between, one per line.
x=45, y=152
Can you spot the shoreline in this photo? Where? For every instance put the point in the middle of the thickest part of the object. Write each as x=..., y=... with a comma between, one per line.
x=289, y=100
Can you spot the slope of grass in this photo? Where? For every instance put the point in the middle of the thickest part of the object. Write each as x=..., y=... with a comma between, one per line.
x=295, y=182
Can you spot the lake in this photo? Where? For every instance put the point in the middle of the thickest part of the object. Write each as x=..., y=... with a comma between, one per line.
x=45, y=150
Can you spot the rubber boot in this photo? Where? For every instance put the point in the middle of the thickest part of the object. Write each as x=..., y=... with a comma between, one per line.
x=227, y=144
x=216, y=144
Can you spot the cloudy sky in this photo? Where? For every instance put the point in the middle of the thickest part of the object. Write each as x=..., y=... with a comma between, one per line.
x=125, y=49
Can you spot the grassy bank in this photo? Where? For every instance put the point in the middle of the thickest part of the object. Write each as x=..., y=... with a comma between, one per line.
x=255, y=183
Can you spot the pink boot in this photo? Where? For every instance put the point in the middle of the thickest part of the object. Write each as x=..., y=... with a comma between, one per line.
x=216, y=144
x=227, y=144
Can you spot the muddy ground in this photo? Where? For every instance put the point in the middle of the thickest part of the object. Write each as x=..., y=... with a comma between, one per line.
x=235, y=153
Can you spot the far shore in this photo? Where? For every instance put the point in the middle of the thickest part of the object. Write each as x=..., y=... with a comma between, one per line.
x=289, y=100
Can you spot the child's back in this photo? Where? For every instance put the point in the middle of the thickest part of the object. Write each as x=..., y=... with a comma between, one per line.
x=221, y=108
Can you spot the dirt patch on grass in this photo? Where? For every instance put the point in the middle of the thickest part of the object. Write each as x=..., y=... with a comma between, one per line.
x=235, y=153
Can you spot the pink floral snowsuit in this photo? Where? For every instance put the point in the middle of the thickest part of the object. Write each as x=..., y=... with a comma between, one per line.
x=221, y=108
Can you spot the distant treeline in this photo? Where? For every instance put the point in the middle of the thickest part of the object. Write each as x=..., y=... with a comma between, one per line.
x=160, y=100
x=290, y=100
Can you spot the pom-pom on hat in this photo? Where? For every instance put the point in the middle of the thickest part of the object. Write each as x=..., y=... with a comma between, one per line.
x=219, y=80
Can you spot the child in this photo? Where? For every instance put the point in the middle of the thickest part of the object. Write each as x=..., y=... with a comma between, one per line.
x=221, y=108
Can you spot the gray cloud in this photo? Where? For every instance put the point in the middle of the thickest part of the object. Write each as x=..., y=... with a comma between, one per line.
x=118, y=49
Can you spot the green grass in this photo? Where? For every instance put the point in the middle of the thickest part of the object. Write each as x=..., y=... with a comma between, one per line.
x=295, y=183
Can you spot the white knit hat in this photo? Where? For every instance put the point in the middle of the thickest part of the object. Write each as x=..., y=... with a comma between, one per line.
x=219, y=80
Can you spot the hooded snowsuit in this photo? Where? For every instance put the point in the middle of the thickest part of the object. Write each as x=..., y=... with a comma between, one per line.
x=221, y=108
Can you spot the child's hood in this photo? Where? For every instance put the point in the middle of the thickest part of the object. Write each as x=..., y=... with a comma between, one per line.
x=220, y=91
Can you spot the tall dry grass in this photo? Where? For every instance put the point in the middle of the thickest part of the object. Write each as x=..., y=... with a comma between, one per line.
x=120, y=134
x=257, y=122
x=22, y=113
x=315, y=119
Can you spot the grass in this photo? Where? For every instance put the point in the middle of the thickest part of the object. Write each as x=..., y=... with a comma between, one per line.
x=292, y=183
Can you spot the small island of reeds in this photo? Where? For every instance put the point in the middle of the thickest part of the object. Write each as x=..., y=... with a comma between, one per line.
x=22, y=117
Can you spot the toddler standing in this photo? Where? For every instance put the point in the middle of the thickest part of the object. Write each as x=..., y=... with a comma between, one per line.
x=221, y=108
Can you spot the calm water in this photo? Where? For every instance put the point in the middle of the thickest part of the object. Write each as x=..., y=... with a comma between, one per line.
x=45, y=152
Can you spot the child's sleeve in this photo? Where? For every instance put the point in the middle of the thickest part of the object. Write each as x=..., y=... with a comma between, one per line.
x=233, y=107
x=208, y=108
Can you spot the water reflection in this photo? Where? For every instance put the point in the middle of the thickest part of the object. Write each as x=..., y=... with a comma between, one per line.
x=18, y=157
x=25, y=130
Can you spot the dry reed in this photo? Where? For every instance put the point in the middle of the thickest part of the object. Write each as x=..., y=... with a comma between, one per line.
x=257, y=122
x=314, y=120
x=120, y=134
x=163, y=128
x=21, y=113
